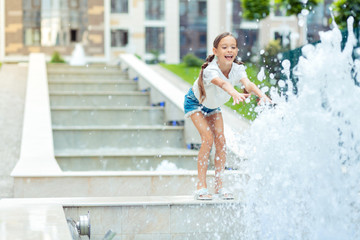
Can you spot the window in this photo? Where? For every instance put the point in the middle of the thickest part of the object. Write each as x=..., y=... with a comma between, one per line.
x=193, y=28
x=36, y=3
x=155, y=40
x=202, y=8
x=154, y=9
x=202, y=38
x=31, y=36
x=284, y=38
x=31, y=23
x=48, y=24
x=73, y=35
x=119, y=6
x=236, y=13
x=74, y=3
x=119, y=38
x=247, y=42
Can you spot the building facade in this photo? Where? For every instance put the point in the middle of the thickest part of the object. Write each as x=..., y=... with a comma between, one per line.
x=51, y=25
x=155, y=30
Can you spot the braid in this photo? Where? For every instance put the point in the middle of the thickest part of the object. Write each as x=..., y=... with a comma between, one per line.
x=201, y=81
x=237, y=61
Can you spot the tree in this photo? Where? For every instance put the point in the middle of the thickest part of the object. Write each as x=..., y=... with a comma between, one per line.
x=343, y=9
x=56, y=58
x=261, y=8
x=254, y=10
x=295, y=7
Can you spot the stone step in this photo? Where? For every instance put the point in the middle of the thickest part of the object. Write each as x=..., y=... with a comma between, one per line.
x=118, y=183
x=87, y=137
x=105, y=98
x=132, y=159
x=85, y=77
x=80, y=86
x=66, y=66
x=137, y=217
x=86, y=70
x=100, y=116
x=167, y=217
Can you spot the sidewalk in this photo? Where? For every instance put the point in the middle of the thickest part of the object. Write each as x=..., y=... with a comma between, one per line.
x=12, y=100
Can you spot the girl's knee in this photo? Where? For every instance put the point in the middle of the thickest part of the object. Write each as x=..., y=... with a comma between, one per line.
x=220, y=142
x=207, y=139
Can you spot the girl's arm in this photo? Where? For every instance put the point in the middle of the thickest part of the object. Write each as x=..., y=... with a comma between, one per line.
x=227, y=87
x=252, y=88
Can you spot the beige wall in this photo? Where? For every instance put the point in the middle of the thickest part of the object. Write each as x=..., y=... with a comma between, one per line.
x=218, y=20
x=134, y=23
x=273, y=24
x=2, y=33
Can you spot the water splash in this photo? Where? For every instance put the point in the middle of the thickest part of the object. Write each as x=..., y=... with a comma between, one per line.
x=305, y=153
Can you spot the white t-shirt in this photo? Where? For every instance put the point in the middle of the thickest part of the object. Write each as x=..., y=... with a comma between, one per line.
x=215, y=96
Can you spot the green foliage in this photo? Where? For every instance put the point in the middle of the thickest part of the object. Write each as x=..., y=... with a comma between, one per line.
x=343, y=9
x=191, y=60
x=56, y=58
x=189, y=74
x=256, y=9
x=261, y=8
x=294, y=7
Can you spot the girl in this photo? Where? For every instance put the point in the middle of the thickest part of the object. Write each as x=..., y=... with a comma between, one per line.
x=214, y=87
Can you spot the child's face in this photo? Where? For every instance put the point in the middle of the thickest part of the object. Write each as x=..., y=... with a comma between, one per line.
x=226, y=50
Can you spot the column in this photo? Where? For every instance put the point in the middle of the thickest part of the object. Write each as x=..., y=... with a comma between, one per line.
x=172, y=32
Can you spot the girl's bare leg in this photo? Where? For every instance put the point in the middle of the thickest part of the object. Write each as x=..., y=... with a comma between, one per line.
x=216, y=124
x=206, y=143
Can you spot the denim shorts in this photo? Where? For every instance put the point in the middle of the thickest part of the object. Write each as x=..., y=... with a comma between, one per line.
x=192, y=105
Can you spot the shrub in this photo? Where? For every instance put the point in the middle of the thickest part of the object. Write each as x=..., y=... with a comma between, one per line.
x=56, y=58
x=191, y=60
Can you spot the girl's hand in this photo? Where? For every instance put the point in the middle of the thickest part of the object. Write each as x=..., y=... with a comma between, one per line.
x=239, y=97
x=264, y=100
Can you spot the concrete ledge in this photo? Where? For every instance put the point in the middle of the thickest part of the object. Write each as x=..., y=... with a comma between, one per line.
x=166, y=217
x=109, y=184
x=120, y=201
x=74, y=174
x=37, y=150
x=28, y=220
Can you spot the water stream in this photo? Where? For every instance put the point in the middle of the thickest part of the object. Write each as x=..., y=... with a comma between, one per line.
x=305, y=153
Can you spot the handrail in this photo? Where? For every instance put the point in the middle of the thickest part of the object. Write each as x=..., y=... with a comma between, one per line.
x=37, y=149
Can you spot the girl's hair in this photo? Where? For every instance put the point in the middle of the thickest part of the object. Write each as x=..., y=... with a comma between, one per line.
x=208, y=60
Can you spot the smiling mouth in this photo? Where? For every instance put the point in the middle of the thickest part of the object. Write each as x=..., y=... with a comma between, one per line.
x=229, y=57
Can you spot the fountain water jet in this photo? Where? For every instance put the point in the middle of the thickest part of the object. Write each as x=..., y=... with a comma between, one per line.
x=78, y=56
x=305, y=154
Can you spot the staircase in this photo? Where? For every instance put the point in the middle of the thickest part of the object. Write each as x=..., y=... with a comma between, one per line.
x=102, y=121
x=110, y=140
x=120, y=158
